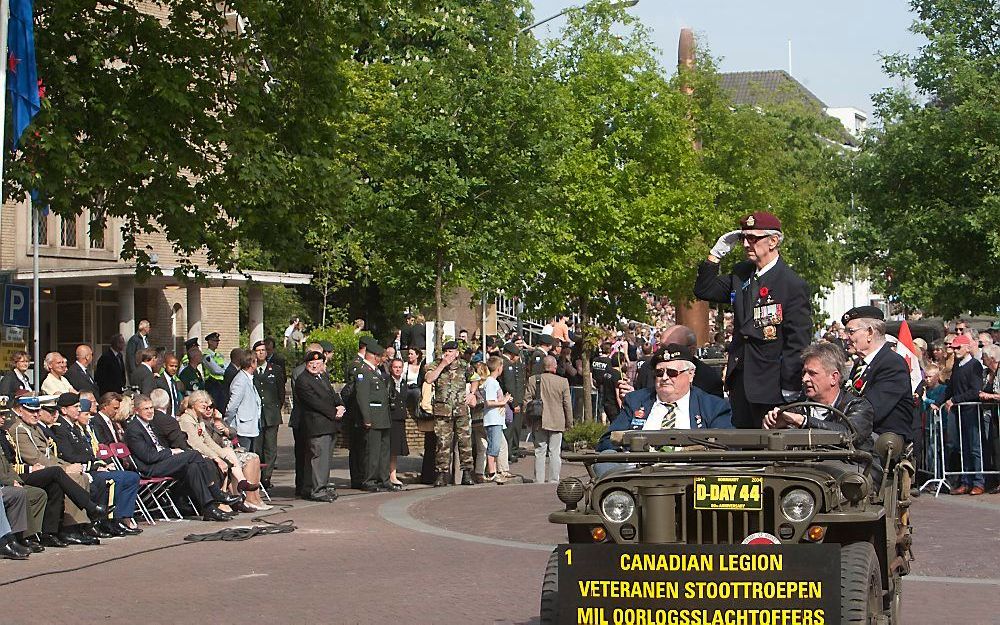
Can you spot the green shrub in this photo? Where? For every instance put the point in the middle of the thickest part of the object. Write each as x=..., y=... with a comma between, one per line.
x=345, y=346
x=585, y=432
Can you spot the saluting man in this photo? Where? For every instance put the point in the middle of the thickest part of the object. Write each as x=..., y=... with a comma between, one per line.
x=772, y=319
x=372, y=397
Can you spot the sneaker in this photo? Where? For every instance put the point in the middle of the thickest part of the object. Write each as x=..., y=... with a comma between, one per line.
x=499, y=478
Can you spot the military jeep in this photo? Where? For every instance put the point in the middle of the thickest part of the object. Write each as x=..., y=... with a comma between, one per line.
x=798, y=485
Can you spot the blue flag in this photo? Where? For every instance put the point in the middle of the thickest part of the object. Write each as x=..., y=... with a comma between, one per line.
x=22, y=76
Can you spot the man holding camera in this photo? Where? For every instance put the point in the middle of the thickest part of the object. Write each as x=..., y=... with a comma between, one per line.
x=772, y=320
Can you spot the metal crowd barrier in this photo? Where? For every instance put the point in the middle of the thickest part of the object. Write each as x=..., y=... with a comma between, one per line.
x=969, y=427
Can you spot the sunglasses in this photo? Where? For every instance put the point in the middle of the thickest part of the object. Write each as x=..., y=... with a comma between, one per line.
x=752, y=238
x=670, y=373
x=954, y=347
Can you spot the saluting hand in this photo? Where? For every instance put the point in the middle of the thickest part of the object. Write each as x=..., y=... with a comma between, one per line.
x=725, y=244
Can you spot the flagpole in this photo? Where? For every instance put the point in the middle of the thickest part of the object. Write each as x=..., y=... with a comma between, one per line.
x=35, y=219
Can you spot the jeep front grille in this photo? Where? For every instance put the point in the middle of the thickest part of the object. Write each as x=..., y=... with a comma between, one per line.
x=722, y=527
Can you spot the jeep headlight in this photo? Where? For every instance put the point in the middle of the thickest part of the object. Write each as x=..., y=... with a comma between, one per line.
x=798, y=505
x=617, y=506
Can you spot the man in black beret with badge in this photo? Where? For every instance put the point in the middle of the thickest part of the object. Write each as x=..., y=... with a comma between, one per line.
x=772, y=320
x=321, y=413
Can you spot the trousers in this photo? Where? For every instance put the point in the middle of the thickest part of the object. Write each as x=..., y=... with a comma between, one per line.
x=377, y=457
x=547, y=442
x=15, y=510
x=266, y=447
x=448, y=429
x=58, y=487
x=126, y=490
x=319, y=463
x=303, y=468
x=194, y=472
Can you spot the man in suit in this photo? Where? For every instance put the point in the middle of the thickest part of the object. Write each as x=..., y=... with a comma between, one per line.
x=705, y=377
x=142, y=375
x=772, y=319
x=229, y=374
x=371, y=394
x=557, y=417
x=76, y=443
x=188, y=467
x=243, y=410
x=164, y=424
x=102, y=424
x=269, y=379
x=303, y=476
x=109, y=374
x=138, y=342
x=321, y=412
x=674, y=403
x=78, y=373
x=167, y=380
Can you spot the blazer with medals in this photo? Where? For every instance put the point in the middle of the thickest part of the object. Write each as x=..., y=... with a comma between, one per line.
x=886, y=384
x=317, y=403
x=372, y=396
x=706, y=411
x=270, y=385
x=192, y=379
x=771, y=326
x=75, y=445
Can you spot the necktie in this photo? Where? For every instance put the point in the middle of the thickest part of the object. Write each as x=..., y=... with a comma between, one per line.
x=859, y=370
x=260, y=370
x=156, y=441
x=93, y=440
x=669, y=419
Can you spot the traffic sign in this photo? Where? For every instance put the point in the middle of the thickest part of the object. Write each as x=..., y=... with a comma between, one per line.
x=16, y=309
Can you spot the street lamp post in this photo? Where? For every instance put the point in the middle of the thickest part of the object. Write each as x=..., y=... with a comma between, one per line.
x=624, y=4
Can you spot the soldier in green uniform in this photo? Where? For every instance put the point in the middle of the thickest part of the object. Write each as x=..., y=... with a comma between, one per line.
x=537, y=356
x=513, y=380
x=191, y=374
x=270, y=382
x=356, y=433
x=372, y=397
x=451, y=411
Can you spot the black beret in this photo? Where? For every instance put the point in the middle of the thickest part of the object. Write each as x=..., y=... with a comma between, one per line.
x=546, y=339
x=375, y=348
x=311, y=356
x=258, y=344
x=214, y=336
x=863, y=312
x=68, y=399
x=672, y=352
x=326, y=345
x=450, y=345
x=192, y=342
x=510, y=348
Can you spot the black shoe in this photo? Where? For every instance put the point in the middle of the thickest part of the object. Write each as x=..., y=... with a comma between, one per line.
x=229, y=500
x=327, y=497
x=10, y=552
x=113, y=528
x=99, y=511
x=76, y=538
x=126, y=530
x=372, y=488
x=33, y=544
x=395, y=487
x=243, y=507
x=96, y=530
x=212, y=513
x=52, y=540
x=440, y=480
x=467, y=478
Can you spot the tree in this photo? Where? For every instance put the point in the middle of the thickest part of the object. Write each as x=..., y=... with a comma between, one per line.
x=927, y=179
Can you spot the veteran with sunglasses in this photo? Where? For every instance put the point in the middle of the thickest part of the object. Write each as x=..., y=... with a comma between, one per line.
x=673, y=403
x=772, y=319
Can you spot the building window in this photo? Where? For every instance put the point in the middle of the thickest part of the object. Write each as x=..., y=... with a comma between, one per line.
x=43, y=230
x=68, y=236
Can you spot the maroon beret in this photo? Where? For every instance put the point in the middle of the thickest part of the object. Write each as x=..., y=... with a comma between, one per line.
x=760, y=221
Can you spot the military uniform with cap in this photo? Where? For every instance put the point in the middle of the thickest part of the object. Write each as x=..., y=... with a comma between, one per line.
x=451, y=414
x=356, y=462
x=371, y=395
x=513, y=380
x=269, y=379
x=772, y=319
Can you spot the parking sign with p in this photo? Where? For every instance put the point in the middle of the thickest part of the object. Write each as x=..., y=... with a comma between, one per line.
x=16, y=306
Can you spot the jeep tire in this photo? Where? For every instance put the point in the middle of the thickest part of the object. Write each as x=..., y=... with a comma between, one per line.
x=860, y=584
x=548, y=612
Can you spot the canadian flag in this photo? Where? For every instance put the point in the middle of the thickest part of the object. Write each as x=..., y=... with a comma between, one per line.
x=904, y=347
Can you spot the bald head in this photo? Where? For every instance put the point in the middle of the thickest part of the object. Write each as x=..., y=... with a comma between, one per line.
x=682, y=335
x=84, y=355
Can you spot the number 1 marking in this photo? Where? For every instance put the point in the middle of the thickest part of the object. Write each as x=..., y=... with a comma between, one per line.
x=569, y=557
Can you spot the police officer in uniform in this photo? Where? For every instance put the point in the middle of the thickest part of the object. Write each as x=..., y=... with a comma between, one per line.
x=372, y=397
x=451, y=411
x=772, y=319
x=270, y=382
x=214, y=365
x=512, y=381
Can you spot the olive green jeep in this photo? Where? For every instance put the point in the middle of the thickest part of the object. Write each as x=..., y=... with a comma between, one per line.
x=719, y=487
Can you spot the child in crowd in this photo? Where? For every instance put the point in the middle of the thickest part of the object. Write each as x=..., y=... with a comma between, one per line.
x=494, y=417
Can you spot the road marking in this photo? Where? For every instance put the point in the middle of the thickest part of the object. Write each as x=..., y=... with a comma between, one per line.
x=989, y=581
x=249, y=575
x=397, y=512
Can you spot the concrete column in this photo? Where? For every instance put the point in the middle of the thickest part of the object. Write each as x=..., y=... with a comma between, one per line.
x=126, y=307
x=194, y=312
x=256, y=313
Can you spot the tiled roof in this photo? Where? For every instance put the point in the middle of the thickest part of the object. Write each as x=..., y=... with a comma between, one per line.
x=772, y=86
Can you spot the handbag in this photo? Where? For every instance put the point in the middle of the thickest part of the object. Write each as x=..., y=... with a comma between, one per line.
x=534, y=408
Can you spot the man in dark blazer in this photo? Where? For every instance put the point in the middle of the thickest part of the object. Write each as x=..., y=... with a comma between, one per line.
x=152, y=459
x=164, y=424
x=269, y=378
x=772, y=318
x=674, y=403
x=167, y=380
x=320, y=412
x=78, y=373
x=109, y=374
x=303, y=476
x=235, y=355
x=142, y=376
x=138, y=342
x=964, y=386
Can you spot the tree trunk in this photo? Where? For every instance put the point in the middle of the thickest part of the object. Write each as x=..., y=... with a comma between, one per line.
x=438, y=303
x=588, y=381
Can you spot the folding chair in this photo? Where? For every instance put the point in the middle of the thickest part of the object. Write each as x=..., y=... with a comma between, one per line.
x=149, y=487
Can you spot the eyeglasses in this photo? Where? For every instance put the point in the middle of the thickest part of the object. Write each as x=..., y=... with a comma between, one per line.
x=851, y=331
x=670, y=373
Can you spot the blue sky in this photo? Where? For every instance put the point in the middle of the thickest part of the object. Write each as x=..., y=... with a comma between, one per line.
x=835, y=45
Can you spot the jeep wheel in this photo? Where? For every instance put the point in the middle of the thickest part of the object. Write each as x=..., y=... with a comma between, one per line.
x=860, y=585
x=548, y=612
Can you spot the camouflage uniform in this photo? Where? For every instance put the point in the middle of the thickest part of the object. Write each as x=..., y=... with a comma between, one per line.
x=451, y=414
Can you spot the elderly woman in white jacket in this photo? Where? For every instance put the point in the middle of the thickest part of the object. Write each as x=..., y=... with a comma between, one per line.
x=243, y=410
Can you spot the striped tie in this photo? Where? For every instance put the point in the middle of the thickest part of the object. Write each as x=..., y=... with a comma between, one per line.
x=669, y=419
x=859, y=370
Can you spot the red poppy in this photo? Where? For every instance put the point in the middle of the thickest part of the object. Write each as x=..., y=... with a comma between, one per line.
x=640, y=413
x=859, y=383
x=764, y=291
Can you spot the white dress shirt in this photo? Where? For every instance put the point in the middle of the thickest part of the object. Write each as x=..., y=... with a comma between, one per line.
x=659, y=409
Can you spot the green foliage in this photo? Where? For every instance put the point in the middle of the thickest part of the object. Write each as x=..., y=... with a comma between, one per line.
x=345, y=346
x=280, y=304
x=586, y=432
x=927, y=180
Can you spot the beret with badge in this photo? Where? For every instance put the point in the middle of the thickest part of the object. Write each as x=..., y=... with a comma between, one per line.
x=760, y=220
x=313, y=356
x=450, y=345
x=863, y=312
